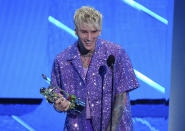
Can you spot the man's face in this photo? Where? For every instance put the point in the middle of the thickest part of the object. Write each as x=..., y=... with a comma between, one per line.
x=88, y=36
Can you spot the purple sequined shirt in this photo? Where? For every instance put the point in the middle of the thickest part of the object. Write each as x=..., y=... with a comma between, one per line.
x=68, y=74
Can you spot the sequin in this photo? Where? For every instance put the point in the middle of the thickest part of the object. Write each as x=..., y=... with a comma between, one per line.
x=68, y=73
x=75, y=125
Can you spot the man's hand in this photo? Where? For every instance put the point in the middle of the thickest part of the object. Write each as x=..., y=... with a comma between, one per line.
x=61, y=104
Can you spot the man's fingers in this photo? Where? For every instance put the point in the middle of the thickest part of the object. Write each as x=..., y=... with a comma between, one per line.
x=58, y=101
x=68, y=106
x=60, y=95
x=62, y=104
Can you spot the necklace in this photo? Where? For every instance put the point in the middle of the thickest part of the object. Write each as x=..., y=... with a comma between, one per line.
x=85, y=55
x=86, y=59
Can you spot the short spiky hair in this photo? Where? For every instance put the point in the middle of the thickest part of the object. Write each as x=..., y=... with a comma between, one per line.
x=88, y=15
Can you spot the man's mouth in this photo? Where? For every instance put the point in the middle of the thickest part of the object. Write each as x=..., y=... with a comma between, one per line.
x=88, y=43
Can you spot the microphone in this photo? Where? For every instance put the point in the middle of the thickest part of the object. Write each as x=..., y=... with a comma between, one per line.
x=102, y=70
x=111, y=61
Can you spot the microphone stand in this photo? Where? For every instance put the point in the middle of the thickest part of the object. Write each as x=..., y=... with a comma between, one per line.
x=102, y=72
x=110, y=63
x=102, y=103
x=112, y=69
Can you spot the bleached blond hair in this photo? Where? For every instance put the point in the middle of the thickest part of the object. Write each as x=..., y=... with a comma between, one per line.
x=89, y=16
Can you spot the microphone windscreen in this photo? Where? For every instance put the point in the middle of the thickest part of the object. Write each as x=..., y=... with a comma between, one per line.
x=102, y=70
x=110, y=60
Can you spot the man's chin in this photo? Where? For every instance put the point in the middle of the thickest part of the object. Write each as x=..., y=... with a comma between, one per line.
x=88, y=49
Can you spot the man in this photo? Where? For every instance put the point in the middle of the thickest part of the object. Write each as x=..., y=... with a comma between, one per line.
x=76, y=70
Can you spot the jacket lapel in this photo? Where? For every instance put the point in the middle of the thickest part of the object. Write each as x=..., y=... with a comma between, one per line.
x=74, y=58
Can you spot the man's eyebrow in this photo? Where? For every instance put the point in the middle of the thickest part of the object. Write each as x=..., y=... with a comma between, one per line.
x=94, y=30
x=90, y=30
x=82, y=30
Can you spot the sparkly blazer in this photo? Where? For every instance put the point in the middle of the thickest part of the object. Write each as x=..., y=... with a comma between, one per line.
x=68, y=74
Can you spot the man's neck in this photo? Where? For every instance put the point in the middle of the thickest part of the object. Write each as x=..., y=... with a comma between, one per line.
x=84, y=51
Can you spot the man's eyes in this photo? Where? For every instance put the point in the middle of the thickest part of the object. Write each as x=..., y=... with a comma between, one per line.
x=82, y=31
x=94, y=31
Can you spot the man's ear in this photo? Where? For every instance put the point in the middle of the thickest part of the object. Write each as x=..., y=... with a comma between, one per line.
x=99, y=33
x=75, y=31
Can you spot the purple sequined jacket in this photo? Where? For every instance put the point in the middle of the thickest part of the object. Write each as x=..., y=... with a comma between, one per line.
x=68, y=74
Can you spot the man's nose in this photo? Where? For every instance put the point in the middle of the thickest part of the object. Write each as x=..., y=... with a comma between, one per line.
x=89, y=36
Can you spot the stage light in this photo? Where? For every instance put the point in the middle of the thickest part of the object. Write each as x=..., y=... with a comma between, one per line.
x=62, y=26
x=149, y=81
x=22, y=123
x=144, y=9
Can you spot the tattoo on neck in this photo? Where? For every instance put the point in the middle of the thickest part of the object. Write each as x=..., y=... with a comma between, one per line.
x=86, y=59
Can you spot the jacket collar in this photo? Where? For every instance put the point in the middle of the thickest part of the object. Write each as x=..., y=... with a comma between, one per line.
x=75, y=54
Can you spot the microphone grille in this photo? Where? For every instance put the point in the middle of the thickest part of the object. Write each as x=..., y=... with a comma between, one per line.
x=110, y=60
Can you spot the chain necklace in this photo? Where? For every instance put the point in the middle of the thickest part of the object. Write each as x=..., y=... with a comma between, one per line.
x=86, y=59
x=85, y=55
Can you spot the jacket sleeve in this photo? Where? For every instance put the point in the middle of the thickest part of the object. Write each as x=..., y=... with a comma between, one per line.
x=125, y=79
x=56, y=74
